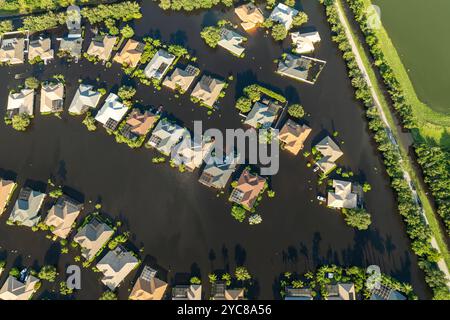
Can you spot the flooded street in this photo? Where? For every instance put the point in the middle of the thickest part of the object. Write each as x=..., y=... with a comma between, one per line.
x=182, y=226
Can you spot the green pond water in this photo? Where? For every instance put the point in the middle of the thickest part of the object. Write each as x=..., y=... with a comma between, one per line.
x=420, y=30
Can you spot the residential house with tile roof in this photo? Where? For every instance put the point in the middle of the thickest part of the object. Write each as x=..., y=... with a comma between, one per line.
x=130, y=54
x=26, y=209
x=248, y=188
x=148, y=286
x=62, y=216
x=166, y=136
x=159, y=65
x=250, y=15
x=92, y=237
x=101, y=47
x=293, y=136
x=331, y=153
x=52, y=97
x=181, y=79
x=112, y=112
x=208, y=90
x=85, y=98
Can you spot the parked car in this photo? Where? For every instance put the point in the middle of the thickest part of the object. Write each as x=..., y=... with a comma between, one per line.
x=321, y=199
x=316, y=168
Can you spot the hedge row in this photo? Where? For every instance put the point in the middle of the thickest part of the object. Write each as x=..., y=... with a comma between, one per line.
x=417, y=228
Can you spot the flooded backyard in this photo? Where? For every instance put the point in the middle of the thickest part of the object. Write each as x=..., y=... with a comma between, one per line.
x=181, y=226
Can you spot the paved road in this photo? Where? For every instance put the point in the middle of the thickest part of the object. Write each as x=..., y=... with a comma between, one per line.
x=441, y=263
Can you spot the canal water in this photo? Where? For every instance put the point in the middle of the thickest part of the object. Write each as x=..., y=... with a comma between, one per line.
x=181, y=226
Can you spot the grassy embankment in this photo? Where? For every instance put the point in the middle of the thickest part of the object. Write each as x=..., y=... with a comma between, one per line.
x=428, y=209
x=434, y=127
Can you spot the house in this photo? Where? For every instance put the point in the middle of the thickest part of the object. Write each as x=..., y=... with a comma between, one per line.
x=41, y=49
x=101, y=47
x=297, y=293
x=112, y=112
x=304, y=42
x=72, y=46
x=92, y=237
x=6, y=190
x=115, y=266
x=85, y=97
x=192, y=153
x=217, y=172
x=130, y=54
x=208, y=90
x=148, y=286
x=13, y=47
x=73, y=41
x=52, y=97
x=250, y=15
x=263, y=114
x=383, y=292
x=293, y=136
x=341, y=291
x=284, y=15
x=248, y=188
x=138, y=124
x=331, y=153
x=159, y=65
x=342, y=197
x=15, y=289
x=191, y=292
x=165, y=136
x=27, y=206
x=62, y=216
x=219, y=291
x=231, y=41
x=301, y=68
x=181, y=79
x=20, y=102
x=73, y=21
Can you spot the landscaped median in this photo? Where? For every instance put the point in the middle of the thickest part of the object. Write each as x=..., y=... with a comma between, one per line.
x=419, y=231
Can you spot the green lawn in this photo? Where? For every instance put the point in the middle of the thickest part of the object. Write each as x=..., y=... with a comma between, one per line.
x=433, y=126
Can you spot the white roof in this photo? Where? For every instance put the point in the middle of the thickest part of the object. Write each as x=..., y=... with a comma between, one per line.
x=191, y=153
x=13, y=289
x=160, y=63
x=23, y=101
x=84, y=98
x=116, y=265
x=342, y=197
x=262, y=115
x=231, y=41
x=165, y=136
x=283, y=14
x=304, y=42
x=112, y=109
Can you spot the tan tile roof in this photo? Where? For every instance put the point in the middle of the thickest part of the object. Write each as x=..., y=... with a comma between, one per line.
x=40, y=48
x=342, y=197
x=293, y=136
x=62, y=215
x=13, y=289
x=6, y=188
x=148, y=287
x=248, y=188
x=181, y=78
x=250, y=14
x=331, y=153
x=208, y=90
x=130, y=54
x=234, y=294
x=52, y=97
x=101, y=47
x=141, y=123
x=12, y=50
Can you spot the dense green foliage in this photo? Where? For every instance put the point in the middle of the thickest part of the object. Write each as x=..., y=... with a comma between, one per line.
x=122, y=11
x=317, y=281
x=296, y=111
x=435, y=163
x=357, y=218
x=211, y=35
x=108, y=295
x=238, y=212
x=32, y=83
x=48, y=273
x=189, y=5
x=416, y=226
x=393, y=85
x=279, y=32
x=20, y=122
x=6, y=26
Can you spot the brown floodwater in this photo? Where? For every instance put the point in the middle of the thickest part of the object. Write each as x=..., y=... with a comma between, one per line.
x=181, y=226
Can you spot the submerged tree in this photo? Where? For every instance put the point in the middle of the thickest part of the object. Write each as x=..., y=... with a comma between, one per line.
x=48, y=273
x=20, y=122
x=211, y=35
x=357, y=218
x=279, y=32
x=108, y=295
x=32, y=83
x=242, y=274
x=296, y=111
x=238, y=213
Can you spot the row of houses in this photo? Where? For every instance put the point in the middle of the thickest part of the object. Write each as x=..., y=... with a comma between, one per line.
x=343, y=291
